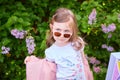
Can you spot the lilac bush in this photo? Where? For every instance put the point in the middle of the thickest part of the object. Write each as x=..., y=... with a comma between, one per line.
x=30, y=45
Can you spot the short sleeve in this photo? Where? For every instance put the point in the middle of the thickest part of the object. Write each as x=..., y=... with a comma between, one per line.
x=49, y=56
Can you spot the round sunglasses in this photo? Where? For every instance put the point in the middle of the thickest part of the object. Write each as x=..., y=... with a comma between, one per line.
x=58, y=34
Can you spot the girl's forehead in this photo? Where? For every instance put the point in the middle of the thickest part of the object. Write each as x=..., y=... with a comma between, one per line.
x=64, y=25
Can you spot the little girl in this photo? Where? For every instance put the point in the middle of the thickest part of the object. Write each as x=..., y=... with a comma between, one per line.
x=65, y=48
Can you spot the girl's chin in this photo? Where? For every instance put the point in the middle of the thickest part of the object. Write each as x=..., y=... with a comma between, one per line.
x=61, y=42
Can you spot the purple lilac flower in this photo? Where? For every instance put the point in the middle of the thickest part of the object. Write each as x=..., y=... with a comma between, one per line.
x=92, y=17
x=104, y=46
x=111, y=27
x=92, y=60
x=104, y=28
x=110, y=48
x=5, y=50
x=97, y=62
x=18, y=34
x=96, y=69
x=30, y=44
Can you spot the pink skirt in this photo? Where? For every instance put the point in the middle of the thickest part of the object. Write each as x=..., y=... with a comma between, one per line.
x=39, y=69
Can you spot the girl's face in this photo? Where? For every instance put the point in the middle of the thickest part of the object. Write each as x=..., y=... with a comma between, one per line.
x=62, y=32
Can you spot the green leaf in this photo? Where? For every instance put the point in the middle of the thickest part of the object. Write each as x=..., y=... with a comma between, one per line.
x=11, y=20
x=1, y=58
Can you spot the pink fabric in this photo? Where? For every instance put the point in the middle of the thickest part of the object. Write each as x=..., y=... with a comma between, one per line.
x=39, y=69
x=88, y=72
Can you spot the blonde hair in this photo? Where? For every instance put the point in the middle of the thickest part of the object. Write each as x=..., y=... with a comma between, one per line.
x=64, y=15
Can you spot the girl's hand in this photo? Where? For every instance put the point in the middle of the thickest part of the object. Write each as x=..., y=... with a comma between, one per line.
x=31, y=59
x=27, y=59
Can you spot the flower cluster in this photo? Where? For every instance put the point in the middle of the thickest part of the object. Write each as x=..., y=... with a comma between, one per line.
x=5, y=50
x=110, y=28
x=92, y=17
x=96, y=69
x=109, y=48
x=18, y=34
x=29, y=39
x=30, y=44
x=95, y=63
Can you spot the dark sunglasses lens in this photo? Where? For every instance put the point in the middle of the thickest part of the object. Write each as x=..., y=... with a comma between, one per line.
x=57, y=34
x=66, y=35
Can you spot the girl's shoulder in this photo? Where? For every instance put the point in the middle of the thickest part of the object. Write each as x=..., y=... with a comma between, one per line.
x=50, y=50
